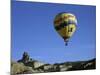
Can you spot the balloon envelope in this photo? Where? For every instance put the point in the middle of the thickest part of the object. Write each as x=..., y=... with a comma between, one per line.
x=65, y=25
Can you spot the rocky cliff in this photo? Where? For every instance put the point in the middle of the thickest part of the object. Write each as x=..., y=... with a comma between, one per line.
x=27, y=65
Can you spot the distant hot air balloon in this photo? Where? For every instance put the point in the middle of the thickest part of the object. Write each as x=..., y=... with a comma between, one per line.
x=65, y=25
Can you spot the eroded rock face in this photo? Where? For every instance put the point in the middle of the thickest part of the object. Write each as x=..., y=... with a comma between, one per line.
x=29, y=62
x=25, y=58
x=28, y=66
x=18, y=68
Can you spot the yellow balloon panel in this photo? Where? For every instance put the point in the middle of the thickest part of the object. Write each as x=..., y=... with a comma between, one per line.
x=71, y=29
x=64, y=17
x=67, y=31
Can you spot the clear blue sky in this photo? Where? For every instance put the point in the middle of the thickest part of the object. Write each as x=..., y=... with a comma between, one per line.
x=33, y=32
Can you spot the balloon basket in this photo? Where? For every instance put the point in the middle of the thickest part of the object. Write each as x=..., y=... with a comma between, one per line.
x=66, y=43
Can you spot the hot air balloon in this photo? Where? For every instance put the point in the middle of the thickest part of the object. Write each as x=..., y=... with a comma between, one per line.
x=65, y=25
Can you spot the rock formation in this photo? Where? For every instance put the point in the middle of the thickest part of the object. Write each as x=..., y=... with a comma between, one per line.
x=27, y=65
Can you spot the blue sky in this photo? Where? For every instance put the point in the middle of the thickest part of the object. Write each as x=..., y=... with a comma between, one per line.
x=33, y=32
